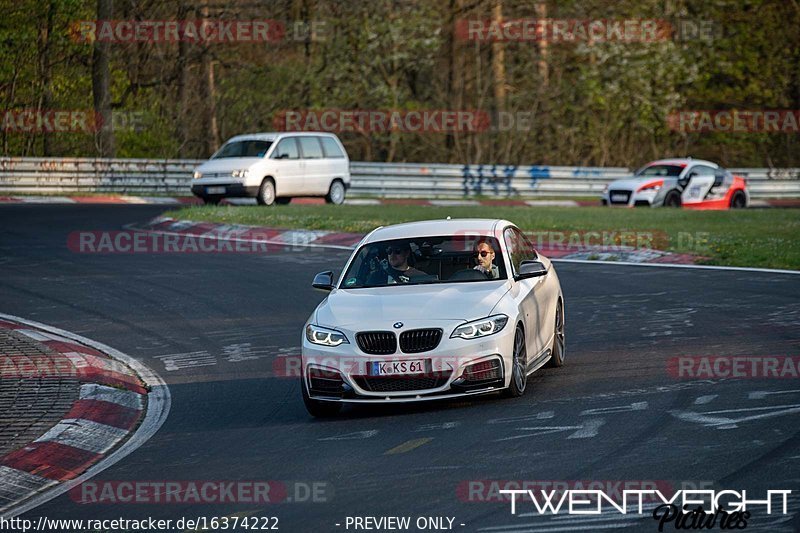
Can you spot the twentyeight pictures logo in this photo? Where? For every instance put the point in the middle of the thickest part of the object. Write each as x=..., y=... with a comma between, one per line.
x=685, y=509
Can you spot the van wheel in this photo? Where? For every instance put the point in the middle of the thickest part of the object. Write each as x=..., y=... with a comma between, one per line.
x=283, y=200
x=673, y=199
x=336, y=193
x=266, y=193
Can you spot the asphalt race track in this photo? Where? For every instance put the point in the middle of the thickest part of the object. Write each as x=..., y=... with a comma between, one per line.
x=212, y=325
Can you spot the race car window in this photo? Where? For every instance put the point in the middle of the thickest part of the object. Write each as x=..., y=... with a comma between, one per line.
x=702, y=170
x=427, y=260
x=672, y=171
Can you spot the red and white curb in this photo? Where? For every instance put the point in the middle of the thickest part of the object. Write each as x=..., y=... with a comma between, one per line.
x=347, y=241
x=121, y=404
x=236, y=232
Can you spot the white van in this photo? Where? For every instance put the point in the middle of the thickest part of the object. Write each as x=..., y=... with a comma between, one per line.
x=274, y=168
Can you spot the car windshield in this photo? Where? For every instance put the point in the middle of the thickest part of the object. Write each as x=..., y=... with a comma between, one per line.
x=416, y=261
x=251, y=148
x=659, y=171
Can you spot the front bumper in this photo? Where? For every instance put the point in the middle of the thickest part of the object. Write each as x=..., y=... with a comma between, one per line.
x=452, y=371
x=629, y=198
x=232, y=190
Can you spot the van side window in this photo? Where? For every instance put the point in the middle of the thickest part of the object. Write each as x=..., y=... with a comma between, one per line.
x=331, y=148
x=310, y=147
x=286, y=149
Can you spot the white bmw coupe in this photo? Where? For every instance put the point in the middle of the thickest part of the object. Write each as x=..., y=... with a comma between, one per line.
x=432, y=310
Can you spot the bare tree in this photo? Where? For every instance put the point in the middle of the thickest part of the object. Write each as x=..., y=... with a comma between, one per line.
x=101, y=85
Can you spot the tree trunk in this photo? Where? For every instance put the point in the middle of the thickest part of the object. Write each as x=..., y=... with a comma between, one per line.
x=498, y=60
x=45, y=72
x=209, y=96
x=101, y=86
x=543, y=65
x=181, y=127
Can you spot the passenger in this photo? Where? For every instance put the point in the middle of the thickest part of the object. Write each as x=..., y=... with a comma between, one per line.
x=484, y=255
x=397, y=270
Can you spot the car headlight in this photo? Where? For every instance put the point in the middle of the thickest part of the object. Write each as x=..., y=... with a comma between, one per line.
x=325, y=336
x=197, y=174
x=652, y=186
x=241, y=173
x=480, y=328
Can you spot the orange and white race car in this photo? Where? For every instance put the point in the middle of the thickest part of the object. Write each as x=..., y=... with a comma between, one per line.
x=687, y=182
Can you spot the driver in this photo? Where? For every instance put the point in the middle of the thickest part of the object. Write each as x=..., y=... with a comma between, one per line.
x=484, y=255
x=397, y=270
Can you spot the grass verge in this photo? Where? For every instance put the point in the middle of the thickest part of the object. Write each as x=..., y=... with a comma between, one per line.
x=768, y=238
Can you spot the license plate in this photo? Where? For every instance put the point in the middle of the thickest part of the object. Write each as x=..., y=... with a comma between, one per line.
x=619, y=198
x=399, y=368
x=215, y=190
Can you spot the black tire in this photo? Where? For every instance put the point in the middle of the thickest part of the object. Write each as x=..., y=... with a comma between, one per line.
x=559, y=348
x=739, y=200
x=318, y=408
x=266, y=193
x=519, y=367
x=336, y=193
x=673, y=199
x=283, y=200
x=211, y=200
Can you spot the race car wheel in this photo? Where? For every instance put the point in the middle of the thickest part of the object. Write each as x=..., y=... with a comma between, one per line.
x=266, y=193
x=519, y=368
x=739, y=201
x=559, y=341
x=673, y=199
x=318, y=408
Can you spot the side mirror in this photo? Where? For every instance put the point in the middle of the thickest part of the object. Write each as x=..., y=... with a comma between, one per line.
x=531, y=269
x=323, y=281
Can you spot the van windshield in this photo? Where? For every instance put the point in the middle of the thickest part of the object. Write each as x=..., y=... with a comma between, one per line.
x=251, y=148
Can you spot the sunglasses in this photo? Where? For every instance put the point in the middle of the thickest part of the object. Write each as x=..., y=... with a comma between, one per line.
x=483, y=253
x=394, y=251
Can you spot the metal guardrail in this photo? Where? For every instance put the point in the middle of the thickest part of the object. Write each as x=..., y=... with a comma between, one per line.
x=148, y=176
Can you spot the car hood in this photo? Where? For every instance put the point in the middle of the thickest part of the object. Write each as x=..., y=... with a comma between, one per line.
x=228, y=164
x=379, y=305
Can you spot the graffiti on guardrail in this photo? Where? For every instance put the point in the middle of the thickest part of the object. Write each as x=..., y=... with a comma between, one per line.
x=481, y=179
x=492, y=176
x=783, y=174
